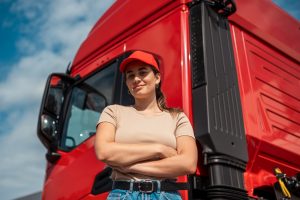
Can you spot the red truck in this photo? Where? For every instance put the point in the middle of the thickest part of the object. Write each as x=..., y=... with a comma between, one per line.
x=232, y=66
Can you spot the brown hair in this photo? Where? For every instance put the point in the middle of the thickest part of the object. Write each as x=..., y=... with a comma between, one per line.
x=160, y=98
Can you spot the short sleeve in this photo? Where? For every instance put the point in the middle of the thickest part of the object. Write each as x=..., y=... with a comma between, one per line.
x=183, y=126
x=109, y=114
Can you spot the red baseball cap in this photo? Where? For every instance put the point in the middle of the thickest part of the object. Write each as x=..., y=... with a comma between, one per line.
x=142, y=56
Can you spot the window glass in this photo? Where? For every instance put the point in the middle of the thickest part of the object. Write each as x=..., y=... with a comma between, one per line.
x=54, y=100
x=88, y=99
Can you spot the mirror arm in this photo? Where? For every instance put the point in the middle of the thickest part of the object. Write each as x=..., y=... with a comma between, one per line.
x=52, y=157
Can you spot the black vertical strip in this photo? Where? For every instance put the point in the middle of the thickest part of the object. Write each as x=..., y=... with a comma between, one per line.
x=218, y=90
x=218, y=121
x=198, y=77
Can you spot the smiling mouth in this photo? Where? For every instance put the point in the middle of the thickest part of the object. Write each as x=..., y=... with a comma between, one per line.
x=137, y=87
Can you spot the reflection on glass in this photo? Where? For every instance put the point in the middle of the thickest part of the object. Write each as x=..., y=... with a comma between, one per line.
x=55, y=97
x=48, y=126
x=88, y=99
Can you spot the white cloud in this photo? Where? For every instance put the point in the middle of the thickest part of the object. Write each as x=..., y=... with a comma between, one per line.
x=22, y=165
x=52, y=30
x=26, y=46
x=29, y=9
x=25, y=83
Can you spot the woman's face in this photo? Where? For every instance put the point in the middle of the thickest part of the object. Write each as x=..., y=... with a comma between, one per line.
x=141, y=80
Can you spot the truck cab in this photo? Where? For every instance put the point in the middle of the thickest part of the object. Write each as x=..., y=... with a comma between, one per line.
x=235, y=74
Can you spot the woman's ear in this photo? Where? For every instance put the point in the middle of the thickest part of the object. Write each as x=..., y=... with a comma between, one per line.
x=157, y=75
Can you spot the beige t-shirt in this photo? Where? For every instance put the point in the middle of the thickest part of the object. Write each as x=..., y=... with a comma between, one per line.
x=133, y=126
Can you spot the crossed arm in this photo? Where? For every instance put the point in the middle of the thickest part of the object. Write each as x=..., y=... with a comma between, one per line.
x=151, y=159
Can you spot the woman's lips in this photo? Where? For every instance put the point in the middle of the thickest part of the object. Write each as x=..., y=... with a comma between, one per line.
x=137, y=87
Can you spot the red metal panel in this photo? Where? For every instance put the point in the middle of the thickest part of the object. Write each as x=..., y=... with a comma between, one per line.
x=73, y=175
x=269, y=85
x=120, y=17
x=270, y=23
x=95, y=197
x=185, y=62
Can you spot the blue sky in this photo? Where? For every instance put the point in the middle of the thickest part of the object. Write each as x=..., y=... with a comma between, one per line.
x=290, y=6
x=37, y=38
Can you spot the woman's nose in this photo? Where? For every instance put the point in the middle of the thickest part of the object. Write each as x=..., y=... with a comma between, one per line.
x=136, y=79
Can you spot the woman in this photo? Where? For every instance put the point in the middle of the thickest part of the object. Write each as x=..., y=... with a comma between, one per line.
x=147, y=144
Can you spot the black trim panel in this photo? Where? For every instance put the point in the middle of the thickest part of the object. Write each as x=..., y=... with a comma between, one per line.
x=102, y=182
x=216, y=100
x=218, y=120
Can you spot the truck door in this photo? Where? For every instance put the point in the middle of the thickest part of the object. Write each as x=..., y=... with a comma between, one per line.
x=72, y=175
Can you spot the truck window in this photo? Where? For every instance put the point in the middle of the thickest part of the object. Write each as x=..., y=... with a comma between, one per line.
x=88, y=99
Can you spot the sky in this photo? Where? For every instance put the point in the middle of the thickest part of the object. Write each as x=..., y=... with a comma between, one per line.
x=37, y=38
x=292, y=7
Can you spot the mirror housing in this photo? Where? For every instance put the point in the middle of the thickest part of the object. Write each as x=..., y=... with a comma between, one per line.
x=56, y=89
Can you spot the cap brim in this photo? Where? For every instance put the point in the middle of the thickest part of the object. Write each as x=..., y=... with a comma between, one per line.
x=126, y=62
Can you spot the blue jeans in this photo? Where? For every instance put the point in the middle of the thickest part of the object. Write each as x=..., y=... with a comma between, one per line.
x=117, y=194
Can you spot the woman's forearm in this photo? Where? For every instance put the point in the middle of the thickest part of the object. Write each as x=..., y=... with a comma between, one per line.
x=185, y=162
x=120, y=154
x=165, y=168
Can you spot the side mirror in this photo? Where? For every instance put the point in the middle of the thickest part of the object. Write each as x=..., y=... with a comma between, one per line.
x=55, y=91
